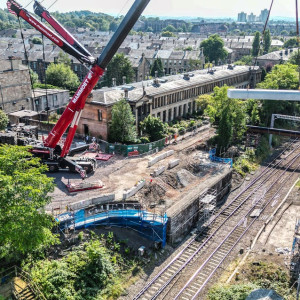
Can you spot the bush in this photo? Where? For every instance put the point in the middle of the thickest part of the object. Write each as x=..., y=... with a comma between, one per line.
x=144, y=140
x=181, y=130
x=192, y=123
x=232, y=292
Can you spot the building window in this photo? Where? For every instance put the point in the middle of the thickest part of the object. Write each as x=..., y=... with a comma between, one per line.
x=99, y=115
x=75, y=68
x=55, y=104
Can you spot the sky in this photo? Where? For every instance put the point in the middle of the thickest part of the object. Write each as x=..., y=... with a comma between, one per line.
x=172, y=8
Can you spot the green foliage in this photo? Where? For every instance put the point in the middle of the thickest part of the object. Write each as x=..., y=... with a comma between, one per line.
x=283, y=77
x=189, y=48
x=213, y=48
x=90, y=271
x=34, y=77
x=144, y=140
x=195, y=63
x=168, y=34
x=270, y=276
x=245, y=60
x=122, y=127
x=3, y=120
x=61, y=75
x=44, y=86
x=118, y=67
x=36, y=40
x=267, y=41
x=229, y=114
x=295, y=59
x=154, y=128
x=157, y=66
x=290, y=43
x=263, y=149
x=256, y=44
x=24, y=189
x=246, y=163
x=63, y=58
x=169, y=28
x=231, y=292
x=203, y=101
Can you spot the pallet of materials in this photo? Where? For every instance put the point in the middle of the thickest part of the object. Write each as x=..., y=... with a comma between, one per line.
x=84, y=186
x=104, y=157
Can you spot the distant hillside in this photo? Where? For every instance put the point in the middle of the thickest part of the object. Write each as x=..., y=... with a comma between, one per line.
x=74, y=19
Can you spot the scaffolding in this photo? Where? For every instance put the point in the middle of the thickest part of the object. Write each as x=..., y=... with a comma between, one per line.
x=295, y=254
x=127, y=215
x=208, y=205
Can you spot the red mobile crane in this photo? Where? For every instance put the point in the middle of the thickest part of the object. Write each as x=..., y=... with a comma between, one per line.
x=50, y=151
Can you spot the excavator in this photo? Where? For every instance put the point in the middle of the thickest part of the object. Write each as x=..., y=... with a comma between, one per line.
x=50, y=151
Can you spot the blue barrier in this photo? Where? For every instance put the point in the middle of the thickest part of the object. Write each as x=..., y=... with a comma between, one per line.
x=213, y=157
x=149, y=225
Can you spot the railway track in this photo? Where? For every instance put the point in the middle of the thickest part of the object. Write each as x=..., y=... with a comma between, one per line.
x=229, y=216
x=204, y=273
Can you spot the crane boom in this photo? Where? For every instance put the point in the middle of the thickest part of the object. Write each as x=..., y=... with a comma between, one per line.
x=15, y=8
x=72, y=112
x=43, y=13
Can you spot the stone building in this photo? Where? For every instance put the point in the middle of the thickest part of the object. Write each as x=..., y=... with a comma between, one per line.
x=51, y=99
x=15, y=87
x=162, y=98
x=276, y=57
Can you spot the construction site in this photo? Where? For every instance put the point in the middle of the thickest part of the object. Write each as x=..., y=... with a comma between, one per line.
x=180, y=182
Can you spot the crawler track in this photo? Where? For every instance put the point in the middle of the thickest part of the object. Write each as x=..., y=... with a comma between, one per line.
x=232, y=214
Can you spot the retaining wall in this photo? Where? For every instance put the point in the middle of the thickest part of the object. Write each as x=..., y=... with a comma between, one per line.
x=160, y=157
x=184, y=215
x=159, y=171
x=127, y=194
x=92, y=201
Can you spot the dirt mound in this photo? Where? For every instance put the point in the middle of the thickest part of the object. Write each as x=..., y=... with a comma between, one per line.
x=151, y=193
x=185, y=177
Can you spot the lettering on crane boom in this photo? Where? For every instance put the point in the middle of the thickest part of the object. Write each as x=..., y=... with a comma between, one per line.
x=83, y=86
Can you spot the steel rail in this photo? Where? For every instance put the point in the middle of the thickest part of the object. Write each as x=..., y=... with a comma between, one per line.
x=230, y=235
x=161, y=289
x=264, y=172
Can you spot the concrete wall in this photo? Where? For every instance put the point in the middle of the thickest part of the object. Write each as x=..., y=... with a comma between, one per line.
x=92, y=201
x=184, y=215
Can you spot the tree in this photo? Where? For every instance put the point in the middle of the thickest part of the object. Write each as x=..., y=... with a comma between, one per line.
x=63, y=58
x=295, y=59
x=228, y=114
x=118, y=67
x=256, y=44
x=170, y=28
x=213, y=48
x=245, y=60
x=37, y=41
x=122, y=127
x=290, y=43
x=154, y=128
x=62, y=76
x=24, y=189
x=168, y=34
x=3, y=120
x=34, y=76
x=267, y=41
x=157, y=66
x=283, y=77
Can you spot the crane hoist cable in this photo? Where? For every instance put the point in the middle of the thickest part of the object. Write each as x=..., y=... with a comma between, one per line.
x=27, y=59
x=263, y=33
x=45, y=75
x=298, y=45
